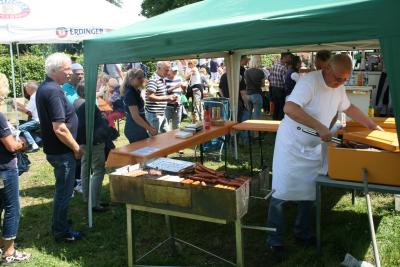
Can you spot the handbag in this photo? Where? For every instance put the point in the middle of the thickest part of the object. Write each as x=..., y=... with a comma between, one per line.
x=23, y=162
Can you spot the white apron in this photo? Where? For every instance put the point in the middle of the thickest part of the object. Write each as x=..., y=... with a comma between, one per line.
x=297, y=161
x=297, y=156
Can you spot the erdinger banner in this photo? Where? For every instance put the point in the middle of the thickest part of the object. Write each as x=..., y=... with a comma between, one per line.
x=63, y=32
x=59, y=21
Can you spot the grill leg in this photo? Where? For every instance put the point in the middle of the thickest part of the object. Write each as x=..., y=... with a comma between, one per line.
x=171, y=234
x=261, y=151
x=239, y=244
x=201, y=154
x=251, y=154
x=130, y=237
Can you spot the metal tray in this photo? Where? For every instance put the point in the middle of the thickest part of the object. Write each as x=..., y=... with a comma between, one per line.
x=196, y=199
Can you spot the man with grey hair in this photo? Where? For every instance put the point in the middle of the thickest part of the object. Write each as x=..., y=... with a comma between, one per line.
x=59, y=124
x=157, y=98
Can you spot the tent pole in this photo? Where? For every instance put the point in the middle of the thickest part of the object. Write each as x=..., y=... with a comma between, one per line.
x=20, y=72
x=13, y=84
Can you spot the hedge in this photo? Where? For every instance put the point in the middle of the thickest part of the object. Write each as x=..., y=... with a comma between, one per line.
x=32, y=67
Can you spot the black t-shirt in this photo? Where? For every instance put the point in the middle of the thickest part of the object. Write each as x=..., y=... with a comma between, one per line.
x=100, y=131
x=253, y=78
x=5, y=155
x=53, y=106
x=223, y=85
x=133, y=98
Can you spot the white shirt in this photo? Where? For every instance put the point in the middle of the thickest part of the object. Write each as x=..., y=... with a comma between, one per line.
x=295, y=76
x=31, y=106
x=195, y=77
x=317, y=99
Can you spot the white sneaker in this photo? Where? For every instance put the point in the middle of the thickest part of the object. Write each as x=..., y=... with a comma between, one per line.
x=78, y=188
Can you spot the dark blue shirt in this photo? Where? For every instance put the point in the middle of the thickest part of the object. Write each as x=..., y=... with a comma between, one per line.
x=213, y=65
x=133, y=98
x=5, y=155
x=53, y=106
x=289, y=82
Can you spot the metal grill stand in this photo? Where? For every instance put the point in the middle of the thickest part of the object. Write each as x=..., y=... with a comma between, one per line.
x=132, y=257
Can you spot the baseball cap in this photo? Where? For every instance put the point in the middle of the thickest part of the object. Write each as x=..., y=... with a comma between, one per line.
x=175, y=68
x=76, y=66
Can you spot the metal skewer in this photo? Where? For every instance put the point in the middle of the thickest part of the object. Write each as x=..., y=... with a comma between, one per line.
x=314, y=133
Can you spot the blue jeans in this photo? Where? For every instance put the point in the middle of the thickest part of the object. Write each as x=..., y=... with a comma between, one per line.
x=28, y=126
x=174, y=114
x=244, y=116
x=64, y=172
x=257, y=102
x=9, y=198
x=98, y=170
x=276, y=220
x=157, y=121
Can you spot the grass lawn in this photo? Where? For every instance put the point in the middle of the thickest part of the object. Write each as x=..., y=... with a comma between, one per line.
x=344, y=227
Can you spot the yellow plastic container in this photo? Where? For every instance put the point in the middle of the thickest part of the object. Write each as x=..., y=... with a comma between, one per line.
x=346, y=164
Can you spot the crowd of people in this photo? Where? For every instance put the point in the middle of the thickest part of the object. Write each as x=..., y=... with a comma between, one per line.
x=56, y=110
x=152, y=106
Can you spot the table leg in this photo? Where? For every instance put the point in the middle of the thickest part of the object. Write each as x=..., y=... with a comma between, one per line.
x=171, y=233
x=201, y=154
x=318, y=219
x=261, y=150
x=130, y=238
x=239, y=244
x=226, y=153
x=251, y=154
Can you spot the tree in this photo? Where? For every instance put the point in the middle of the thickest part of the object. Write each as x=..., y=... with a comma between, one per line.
x=118, y=3
x=151, y=8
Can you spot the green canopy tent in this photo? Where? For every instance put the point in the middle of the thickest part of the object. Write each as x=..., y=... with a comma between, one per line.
x=225, y=28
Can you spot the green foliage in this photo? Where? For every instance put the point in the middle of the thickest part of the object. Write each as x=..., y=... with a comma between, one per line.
x=4, y=49
x=151, y=8
x=32, y=68
x=152, y=67
x=269, y=60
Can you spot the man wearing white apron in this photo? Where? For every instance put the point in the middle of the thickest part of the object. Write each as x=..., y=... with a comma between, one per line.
x=313, y=104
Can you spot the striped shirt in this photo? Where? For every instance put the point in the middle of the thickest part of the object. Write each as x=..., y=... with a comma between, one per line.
x=277, y=75
x=156, y=85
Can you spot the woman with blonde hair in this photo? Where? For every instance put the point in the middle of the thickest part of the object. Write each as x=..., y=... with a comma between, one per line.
x=136, y=127
x=9, y=192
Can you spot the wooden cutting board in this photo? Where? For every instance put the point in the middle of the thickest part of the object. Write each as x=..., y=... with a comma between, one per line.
x=383, y=140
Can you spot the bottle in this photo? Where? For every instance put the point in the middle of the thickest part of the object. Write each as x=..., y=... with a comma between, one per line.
x=207, y=119
x=371, y=111
x=360, y=78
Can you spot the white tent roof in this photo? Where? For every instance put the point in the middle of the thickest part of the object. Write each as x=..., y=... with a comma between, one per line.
x=60, y=21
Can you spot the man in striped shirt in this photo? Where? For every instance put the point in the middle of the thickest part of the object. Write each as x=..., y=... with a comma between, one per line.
x=175, y=86
x=157, y=98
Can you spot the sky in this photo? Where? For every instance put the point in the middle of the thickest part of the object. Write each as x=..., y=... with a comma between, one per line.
x=133, y=5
